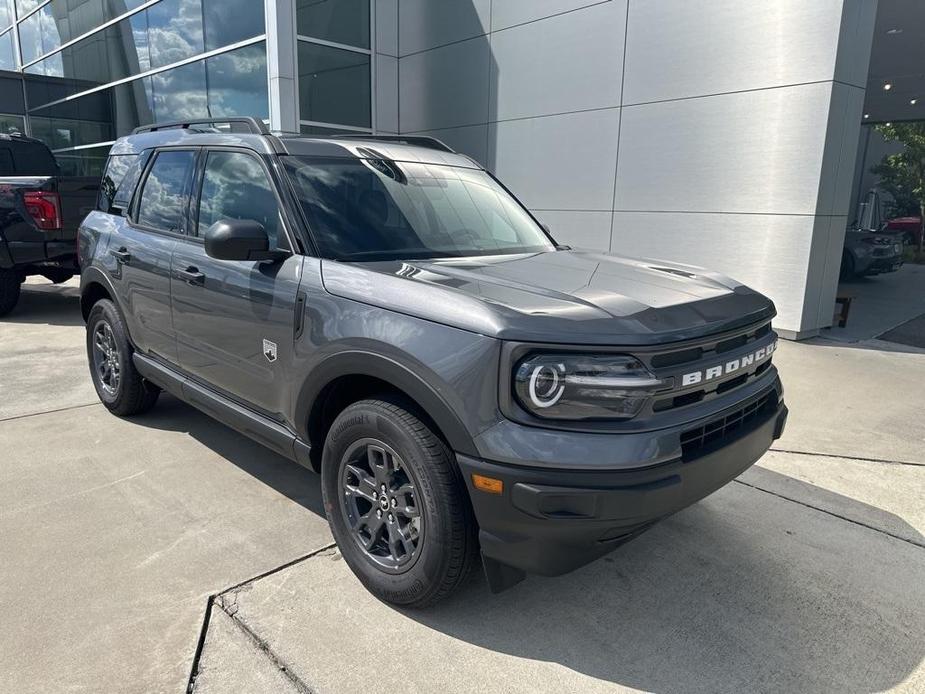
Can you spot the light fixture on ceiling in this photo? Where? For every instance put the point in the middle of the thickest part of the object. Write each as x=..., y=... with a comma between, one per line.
x=888, y=124
x=887, y=86
x=866, y=115
x=893, y=32
x=912, y=101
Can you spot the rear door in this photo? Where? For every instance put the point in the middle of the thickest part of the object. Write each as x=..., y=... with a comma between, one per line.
x=141, y=250
x=235, y=319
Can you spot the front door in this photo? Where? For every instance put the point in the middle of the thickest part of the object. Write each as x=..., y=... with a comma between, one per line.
x=234, y=320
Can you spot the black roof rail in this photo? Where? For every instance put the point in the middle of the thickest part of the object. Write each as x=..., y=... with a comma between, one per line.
x=417, y=140
x=257, y=127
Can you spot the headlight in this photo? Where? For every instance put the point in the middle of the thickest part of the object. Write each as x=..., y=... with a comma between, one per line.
x=582, y=386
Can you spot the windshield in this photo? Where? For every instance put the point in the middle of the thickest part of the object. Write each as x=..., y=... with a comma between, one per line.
x=379, y=209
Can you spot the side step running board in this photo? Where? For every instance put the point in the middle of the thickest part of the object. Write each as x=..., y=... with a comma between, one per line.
x=263, y=430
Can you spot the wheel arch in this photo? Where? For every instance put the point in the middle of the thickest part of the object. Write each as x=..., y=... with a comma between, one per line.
x=353, y=375
x=94, y=285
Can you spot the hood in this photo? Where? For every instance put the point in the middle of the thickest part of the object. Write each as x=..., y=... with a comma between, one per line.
x=573, y=297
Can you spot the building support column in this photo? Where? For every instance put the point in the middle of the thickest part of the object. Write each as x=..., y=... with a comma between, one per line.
x=282, y=68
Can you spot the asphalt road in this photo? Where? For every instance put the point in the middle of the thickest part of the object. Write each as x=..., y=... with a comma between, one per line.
x=806, y=574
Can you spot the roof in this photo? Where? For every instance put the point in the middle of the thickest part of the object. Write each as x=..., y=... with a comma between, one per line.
x=396, y=148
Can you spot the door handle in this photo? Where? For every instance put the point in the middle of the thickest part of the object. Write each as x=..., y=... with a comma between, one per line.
x=122, y=255
x=191, y=275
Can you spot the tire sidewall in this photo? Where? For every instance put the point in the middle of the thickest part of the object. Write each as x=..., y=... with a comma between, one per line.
x=104, y=310
x=367, y=421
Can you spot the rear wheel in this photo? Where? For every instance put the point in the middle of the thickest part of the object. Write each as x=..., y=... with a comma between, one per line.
x=10, y=287
x=118, y=384
x=847, y=266
x=396, y=504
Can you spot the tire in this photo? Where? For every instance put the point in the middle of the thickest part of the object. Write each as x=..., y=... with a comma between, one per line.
x=10, y=288
x=124, y=392
x=427, y=551
x=847, y=266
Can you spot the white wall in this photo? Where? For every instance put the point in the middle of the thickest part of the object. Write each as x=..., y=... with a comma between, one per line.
x=715, y=132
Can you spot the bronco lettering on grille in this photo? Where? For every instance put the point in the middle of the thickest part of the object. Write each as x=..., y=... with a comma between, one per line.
x=729, y=367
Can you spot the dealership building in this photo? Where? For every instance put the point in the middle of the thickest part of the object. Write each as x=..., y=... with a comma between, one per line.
x=719, y=133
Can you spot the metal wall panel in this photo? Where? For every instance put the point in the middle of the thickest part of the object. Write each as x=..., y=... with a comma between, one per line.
x=841, y=149
x=425, y=24
x=683, y=48
x=386, y=93
x=505, y=13
x=387, y=27
x=854, y=44
x=580, y=53
x=768, y=252
x=758, y=152
x=578, y=228
x=471, y=140
x=558, y=162
x=445, y=87
x=828, y=240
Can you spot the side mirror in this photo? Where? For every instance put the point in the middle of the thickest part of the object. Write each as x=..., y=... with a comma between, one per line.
x=240, y=239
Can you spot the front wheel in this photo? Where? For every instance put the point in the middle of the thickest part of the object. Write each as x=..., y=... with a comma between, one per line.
x=118, y=384
x=396, y=504
x=10, y=287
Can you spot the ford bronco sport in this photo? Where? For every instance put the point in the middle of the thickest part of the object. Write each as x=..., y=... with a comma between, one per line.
x=383, y=311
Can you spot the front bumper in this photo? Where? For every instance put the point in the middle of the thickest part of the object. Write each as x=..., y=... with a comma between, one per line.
x=551, y=521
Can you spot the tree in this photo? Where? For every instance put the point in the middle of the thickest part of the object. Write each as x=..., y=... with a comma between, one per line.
x=902, y=175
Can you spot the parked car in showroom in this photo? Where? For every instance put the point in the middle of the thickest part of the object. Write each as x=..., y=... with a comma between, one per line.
x=383, y=311
x=40, y=211
x=868, y=249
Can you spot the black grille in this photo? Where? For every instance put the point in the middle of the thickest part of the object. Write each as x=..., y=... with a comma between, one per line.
x=697, y=442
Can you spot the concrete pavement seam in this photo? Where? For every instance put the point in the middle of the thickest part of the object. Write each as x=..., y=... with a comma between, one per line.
x=834, y=515
x=59, y=409
x=262, y=645
x=849, y=457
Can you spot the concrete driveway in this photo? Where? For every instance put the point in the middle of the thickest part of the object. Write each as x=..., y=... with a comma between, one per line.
x=806, y=574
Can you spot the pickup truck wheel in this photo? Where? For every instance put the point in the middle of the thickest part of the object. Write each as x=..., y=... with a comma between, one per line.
x=10, y=286
x=119, y=385
x=396, y=504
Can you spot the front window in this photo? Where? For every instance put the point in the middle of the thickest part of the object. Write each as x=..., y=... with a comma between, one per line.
x=379, y=209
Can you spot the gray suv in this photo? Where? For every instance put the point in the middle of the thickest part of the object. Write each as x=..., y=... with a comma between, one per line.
x=383, y=311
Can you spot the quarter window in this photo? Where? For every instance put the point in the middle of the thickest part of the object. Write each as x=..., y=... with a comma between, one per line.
x=236, y=186
x=161, y=204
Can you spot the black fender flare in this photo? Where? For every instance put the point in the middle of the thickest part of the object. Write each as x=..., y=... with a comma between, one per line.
x=93, y=275
x=363, y=363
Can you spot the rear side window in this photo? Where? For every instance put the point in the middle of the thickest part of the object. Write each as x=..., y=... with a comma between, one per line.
x=119, y=180
x=164, y=193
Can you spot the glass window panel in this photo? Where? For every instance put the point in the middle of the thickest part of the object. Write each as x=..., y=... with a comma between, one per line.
x=237, y=83
x=236, y=86
x=7, y=56
x=6, y=13
x=235, y=186
x=180, y=94
x=333, y=85
x=230, y=22
x=24, y=6
x=85, y=162
x=39, y=34
x=102, y=116
x=112, y=54
x=164, y=192
x=324, y=132
x=12, y=124
x=341, y=21
x=174, y=31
